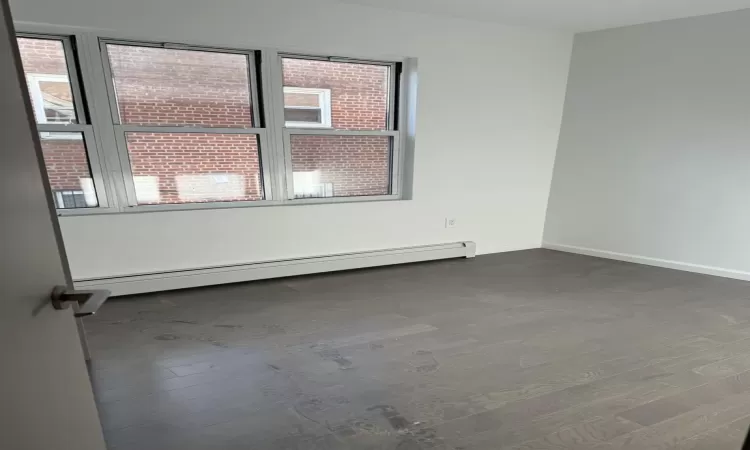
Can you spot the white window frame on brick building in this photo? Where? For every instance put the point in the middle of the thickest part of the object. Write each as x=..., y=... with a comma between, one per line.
x=37, y=103
x=324, y=106
x=106, y=147
x=37, y=96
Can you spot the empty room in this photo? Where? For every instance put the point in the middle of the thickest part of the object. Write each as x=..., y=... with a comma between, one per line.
x=375, y=224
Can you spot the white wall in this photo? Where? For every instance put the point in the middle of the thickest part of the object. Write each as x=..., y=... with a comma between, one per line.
x=490, y=105
x=654, y=157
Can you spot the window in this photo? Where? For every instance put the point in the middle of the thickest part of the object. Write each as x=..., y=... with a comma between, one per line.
x=51, y=98
x=185, y=119
x=68, y=170
x=140, y=126
x=61, y=121
x=354, y=156
x=307, y=107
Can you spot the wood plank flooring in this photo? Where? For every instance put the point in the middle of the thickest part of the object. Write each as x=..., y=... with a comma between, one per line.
x=531, y=350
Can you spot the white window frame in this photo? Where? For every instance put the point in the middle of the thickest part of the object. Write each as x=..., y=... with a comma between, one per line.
x=37, y=103
x=391, y=130
x=324, y=100
x=104, y=135
x=37, y=97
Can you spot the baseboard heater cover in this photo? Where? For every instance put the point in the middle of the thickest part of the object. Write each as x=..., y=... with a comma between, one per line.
x=182, y=279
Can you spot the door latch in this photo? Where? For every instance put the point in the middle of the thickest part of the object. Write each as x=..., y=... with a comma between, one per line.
x=88, y=302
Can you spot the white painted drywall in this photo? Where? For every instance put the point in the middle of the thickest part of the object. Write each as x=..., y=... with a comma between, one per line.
x=490, y=105
x=653, y=163
x=572, y=15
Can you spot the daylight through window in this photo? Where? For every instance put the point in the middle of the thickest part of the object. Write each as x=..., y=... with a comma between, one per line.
x=200, y=127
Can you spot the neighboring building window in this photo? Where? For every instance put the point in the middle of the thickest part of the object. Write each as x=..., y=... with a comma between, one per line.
x=51, y=98
x=307, y=107
x=53, y=104
x=200, y=127
x=70, y=199
x=62, y=125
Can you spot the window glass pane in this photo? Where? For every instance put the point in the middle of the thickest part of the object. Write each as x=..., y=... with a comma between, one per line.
x=299, y=99
x=68, y=170
x=157, y=86
x=194, y=167
x=302, y=115
x=340, y=166
x=46, y=73
x=358, y=92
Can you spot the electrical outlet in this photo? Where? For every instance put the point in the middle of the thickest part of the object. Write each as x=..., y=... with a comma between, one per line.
x=450, y=222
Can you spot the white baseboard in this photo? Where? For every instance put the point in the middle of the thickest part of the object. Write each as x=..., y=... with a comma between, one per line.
x=163, y=281
x=669, y=264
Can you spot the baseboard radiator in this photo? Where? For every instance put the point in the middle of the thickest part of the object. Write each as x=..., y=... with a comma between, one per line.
x=182, y=279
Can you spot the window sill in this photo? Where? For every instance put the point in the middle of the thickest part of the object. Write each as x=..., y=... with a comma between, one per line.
x=227, y=205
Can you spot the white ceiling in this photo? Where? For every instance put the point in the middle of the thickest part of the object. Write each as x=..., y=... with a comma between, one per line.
x=569, y=15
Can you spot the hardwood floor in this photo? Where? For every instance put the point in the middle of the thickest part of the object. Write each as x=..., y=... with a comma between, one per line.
x=532, y=350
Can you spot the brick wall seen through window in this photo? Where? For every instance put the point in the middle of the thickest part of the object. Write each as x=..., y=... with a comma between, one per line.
x=157, y=86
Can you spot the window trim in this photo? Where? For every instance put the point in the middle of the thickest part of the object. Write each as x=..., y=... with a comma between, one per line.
x=324, y=100
x=106, y=163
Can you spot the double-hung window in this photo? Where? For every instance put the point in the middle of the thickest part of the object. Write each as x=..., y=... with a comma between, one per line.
x=186, y=123
x=346, y=147
x=180, y=126
x=67, y=138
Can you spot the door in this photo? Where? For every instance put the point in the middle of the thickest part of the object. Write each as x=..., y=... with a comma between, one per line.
x=46, y=401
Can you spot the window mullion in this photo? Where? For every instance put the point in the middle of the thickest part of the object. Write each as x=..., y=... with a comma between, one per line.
x=125, y=167
x=289, y=173
x=75, y=83
x=396, y=165
x=95, y=88
x=253, y=89
x=273, y=96
x=392, y=96
x=97, y=167
x=266, y=165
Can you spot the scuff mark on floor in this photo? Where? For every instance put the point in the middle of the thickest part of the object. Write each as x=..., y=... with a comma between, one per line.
x=167, y=337
x=331, y=354
x=391, y=414
x=424, y=362
x=187, y=322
